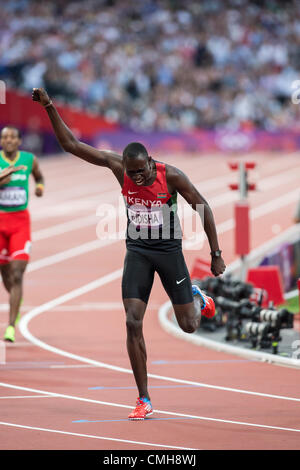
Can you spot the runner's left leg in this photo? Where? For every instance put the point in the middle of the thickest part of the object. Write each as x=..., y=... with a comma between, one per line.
x=189, y=304
x=17, y=269
x=187, y=316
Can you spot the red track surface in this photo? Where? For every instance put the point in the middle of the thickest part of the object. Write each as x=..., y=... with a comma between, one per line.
x=93, y=389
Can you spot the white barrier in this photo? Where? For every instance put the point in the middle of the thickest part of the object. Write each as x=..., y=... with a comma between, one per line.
x=171, y=327
x=235, y=269
x=257, y=255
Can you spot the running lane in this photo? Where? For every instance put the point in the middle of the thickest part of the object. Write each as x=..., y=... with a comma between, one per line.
x=67, y=383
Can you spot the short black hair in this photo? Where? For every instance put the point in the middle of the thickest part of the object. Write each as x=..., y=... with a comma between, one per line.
x=134, y=149
x=12, y=127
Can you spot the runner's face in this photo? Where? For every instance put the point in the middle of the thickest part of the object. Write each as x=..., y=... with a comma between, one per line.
x=10, y=140
x=138, y=169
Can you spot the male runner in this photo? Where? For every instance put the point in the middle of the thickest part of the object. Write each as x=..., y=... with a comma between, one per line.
x=15, y=236
x=153, y=239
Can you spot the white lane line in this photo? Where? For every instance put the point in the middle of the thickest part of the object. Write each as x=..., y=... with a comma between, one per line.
x=71, y=253
x=23, y=326
x=59, y=229
x=255, y=213
x=91, y=436
x=223, y=227
x=171, y=413
x=85, y=221
x=26, y=396
x=172, y=328
x=55, y=193
x=207, y=185
x=62, y=206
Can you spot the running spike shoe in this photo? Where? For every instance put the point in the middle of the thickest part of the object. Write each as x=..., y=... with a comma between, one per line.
x=208, y=308
x=142, y=410
x=10, y=334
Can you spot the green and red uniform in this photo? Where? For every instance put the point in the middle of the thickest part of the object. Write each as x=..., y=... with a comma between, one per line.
x=15, y=232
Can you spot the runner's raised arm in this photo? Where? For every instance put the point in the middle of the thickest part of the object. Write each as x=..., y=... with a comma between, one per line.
x=70, y=143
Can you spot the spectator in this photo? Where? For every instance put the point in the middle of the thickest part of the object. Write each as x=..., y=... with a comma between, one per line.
x=159, y=64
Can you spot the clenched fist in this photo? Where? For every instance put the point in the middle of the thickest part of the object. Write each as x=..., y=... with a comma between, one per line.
x=40, y=95
x=217, y=265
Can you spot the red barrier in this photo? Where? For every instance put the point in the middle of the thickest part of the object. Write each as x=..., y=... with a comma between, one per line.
x=268, y=278
x=22, y=112
x=242, y=228
x=248, y=165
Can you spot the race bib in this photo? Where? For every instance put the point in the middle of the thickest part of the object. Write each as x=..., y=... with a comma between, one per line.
x=143, y=217
x=12, y=196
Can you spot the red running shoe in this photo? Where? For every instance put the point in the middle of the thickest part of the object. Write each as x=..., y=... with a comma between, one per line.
x=208, y=308
x=142, y=410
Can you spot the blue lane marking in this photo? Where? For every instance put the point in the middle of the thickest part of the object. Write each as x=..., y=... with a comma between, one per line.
x=123, y=419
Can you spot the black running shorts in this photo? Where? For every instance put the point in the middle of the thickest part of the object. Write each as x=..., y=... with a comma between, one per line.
x=138, y=276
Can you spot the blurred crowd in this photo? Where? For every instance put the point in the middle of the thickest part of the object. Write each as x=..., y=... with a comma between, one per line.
x=159, y=64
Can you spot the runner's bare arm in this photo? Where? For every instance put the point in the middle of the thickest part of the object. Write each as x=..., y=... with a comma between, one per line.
x=178, y=181
x=70, y=143
x=7, y=172
x=38, y=178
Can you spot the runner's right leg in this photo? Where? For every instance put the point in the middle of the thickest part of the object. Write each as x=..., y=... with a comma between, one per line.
x=17, y=268
x=135, y=311
x=138, y=276
x=5, y=273
x=12, y=276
